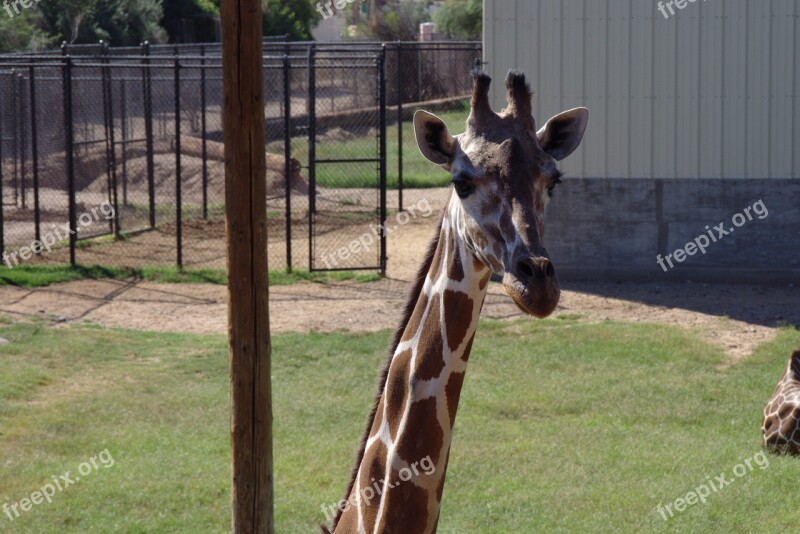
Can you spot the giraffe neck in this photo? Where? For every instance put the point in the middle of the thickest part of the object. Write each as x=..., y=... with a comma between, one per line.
x=399, y=482
x=781, y=423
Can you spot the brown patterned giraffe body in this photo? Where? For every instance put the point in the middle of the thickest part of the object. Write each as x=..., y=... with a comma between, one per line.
x=503, y=173
x=781, y=425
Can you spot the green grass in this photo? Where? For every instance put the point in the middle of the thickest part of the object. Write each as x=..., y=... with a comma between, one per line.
x=45, y=275
x=563, y=427
x=30, y=276
x=282, y=278
x=417, y=171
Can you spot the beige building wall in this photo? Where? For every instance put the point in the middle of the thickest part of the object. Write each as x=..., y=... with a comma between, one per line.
x=710, y=92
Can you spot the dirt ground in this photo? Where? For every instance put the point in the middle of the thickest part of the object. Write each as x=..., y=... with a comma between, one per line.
x=736, y=318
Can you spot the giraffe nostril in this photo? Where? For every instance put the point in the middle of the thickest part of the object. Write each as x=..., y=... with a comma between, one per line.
x=550, y=270
x=524, y=268
x=538, y=268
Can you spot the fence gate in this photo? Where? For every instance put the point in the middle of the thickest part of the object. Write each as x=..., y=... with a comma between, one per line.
x=347, y=159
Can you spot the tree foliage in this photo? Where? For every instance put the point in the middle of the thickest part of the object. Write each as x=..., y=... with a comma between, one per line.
x=23, y=32
x=397, y=21
x=461, y=19
x=129, y=22
x=295, y=18
x=64, y=19
x=119, y=22
x=177, y=12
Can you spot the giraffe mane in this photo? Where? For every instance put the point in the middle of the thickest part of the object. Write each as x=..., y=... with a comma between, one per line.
x=413, y=297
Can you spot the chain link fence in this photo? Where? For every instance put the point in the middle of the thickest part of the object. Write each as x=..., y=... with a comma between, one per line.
x=115, y=156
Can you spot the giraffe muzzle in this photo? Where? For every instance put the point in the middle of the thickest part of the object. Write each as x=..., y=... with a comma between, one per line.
x=533, y=285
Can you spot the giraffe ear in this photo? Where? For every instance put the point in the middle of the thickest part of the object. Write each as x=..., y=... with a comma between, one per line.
x=562, y=134
x=796, y=365
x=433, y=138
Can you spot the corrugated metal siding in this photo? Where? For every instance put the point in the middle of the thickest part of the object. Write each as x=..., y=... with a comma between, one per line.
x=711, y=92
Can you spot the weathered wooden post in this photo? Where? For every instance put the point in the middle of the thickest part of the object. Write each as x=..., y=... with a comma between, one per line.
x=248, y=313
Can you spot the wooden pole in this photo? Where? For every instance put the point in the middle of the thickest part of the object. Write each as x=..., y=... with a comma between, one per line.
x=248, y=313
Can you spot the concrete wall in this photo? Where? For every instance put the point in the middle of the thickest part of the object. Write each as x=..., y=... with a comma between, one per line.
x=613, y=229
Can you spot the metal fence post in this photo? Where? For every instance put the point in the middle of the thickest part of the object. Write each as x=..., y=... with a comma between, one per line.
x=287, y=156
x=203, y=127
x=311, y=106
x=111, y=149
x=2, y=139
x=68, y=151
x=419, y=73
x=148, y=128
x=23, y=145
x=399, y=128
x=178, y=180
x=14, y=135
x=34, y=156
x=382, y=113
x=123, y=97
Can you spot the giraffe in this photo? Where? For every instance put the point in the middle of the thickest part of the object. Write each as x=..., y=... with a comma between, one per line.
x=781, y=426
x=503, y=172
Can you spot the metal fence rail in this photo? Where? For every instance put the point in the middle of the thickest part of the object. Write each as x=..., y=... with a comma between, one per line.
x=137, y=131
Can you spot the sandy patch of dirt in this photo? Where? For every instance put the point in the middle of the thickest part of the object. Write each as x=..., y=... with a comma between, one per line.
x=736, y=318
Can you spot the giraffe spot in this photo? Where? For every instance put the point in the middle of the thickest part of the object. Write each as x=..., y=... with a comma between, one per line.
x=479, y=239
x=406, y=508
x=496, y=237
x=787, y=427
x=455, y=271
x=458, y=308
x=430, y=350
x=416, y=317
x=506, y=226
x=426, y=438
x=468, y=349
x=795, y=365
x=768, y=424
x=497, y=249
x=484, y=280
x=453, y=391
x=397, y=390
x=477, y=265
x=436, y=262
x=373, y=469
x=489, y=207
x=348, y=522
x=440, y=487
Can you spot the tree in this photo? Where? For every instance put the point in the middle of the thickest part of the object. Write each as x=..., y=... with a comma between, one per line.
x=461, y=19
x=396, y=21
x=64, y=18
x=295, y=18
x=22, y=33
x=119, y=22
x=178, y=13
x=127, y=22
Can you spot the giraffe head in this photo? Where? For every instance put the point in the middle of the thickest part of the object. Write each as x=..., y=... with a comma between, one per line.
x=504, y=172
x=781, y=426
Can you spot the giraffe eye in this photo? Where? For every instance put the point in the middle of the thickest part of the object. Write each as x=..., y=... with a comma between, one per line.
x=463, y=189
x=552, y=187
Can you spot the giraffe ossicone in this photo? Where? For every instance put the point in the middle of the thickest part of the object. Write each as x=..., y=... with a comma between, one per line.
x=781, y=423
x=503, y=172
